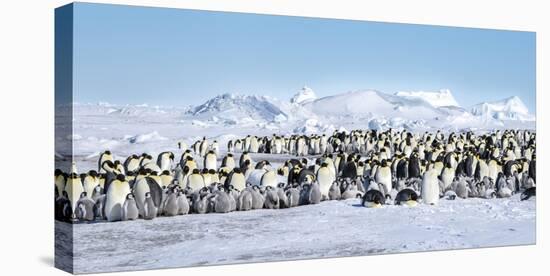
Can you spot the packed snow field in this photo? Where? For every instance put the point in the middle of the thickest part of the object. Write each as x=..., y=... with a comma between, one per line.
x=329, y=229
x=471, y=164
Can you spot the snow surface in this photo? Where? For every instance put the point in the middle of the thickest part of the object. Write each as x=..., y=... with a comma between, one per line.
x=437, y=99
x=329, y=229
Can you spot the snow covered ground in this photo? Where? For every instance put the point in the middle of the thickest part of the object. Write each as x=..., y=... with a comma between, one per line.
x=329, y=229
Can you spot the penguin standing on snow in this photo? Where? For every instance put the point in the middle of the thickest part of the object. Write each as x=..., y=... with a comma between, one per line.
x=129, y=208
x=325, y=179
x=74, y=189
x=383, y=177
x=115, y=197
x=430, y=187
x=210, y=160
x=228, y=161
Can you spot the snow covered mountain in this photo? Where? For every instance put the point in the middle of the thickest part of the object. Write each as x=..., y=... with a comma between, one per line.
x=511, y=108
x=443, y=97
x=251, y=108
x=305, y=95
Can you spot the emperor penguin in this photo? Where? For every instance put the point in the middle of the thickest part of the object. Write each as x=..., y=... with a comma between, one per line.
x=89, y=182
x=334, y=192
x=150, y=209
x=195, y=181
x=200, y=201
x=141, y=188
x=131, y=164
x=183, y=203
x=85, y=208
x=230, y=147
x=74, y=189
x=129, y=208
x=228, y=161
x=203, y=147
x=115, y=197
x=293, y=195
x=236, y=179
x=210, y=160
x=63, y=208
x=269, y=179
x=383, y=176
x=447, y=176
x=242, y=160
x=325, y=179
x=221, y=201
x=407, y=197
x=271, y=198
x=528, y=193
x=258, y=198
x=106, y=155
x=216, y=147
x=350, y=191
x=373, y=199
x=244, y=201
x=165, y=161
x=170, y=206
x=430, y=187
x=60, y=180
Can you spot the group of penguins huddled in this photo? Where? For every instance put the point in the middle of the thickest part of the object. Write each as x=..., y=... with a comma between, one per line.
x=380, y=167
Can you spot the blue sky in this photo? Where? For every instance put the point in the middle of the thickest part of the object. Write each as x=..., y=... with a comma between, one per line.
x=135, y=55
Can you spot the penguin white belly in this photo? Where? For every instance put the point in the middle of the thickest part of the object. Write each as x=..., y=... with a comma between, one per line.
x=195, y=182
x=165, y=163
x=140, y=189
x=325, y=179
x=89, y=185
x=269, y=179
x=74, y=189
x=210, y=163
x=383, y=176
x=430, y=187
x=116, y=195
x=238, y=181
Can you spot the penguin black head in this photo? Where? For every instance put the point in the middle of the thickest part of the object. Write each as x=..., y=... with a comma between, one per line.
x=83, y=194
x=210, y=152
x=165, y=172
x=230, y=155
x=212, y=171
x=120, y=177
x=148, y=171
x=384, y=163
x=142, y=171
x=324, y=165
x=204, y=171
x=196, y=171
x=58, y=172
x=73, y=176
x=147, y=195
x=117, y=163
x=108, y=152
x=154, y=173
x=237, y=170
x=130, y=196
x=92, y=173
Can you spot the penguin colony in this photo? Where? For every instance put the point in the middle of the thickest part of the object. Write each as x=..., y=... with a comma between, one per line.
x=380, y=167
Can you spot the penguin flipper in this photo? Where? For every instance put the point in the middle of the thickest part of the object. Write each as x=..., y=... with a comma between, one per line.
x=155, y=190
